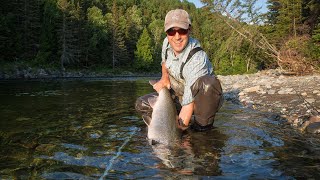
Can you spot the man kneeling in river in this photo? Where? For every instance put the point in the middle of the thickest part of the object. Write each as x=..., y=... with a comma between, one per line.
x=187, y=71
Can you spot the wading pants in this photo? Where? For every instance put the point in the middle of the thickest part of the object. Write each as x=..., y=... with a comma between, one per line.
x=208, y=99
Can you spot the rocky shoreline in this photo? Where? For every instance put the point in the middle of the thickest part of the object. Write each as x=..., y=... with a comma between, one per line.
x=295, y=98
x=39, y=73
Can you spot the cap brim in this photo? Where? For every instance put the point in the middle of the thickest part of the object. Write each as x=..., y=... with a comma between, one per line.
x=179, y=25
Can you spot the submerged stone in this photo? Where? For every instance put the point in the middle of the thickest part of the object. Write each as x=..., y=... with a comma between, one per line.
x=313, y=128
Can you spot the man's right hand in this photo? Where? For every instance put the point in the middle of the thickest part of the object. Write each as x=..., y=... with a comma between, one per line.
x=163, y=83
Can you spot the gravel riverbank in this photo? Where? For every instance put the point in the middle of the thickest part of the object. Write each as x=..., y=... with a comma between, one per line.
x=294, y=98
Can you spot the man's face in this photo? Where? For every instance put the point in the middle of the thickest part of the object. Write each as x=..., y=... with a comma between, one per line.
x=178, y=39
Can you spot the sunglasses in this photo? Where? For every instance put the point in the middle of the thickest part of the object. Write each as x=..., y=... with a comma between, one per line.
x=172, y=32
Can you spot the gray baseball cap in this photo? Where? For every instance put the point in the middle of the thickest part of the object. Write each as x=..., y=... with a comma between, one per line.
x=177, y=18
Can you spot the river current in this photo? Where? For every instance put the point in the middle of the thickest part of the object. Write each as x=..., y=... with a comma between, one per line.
x=88, y=129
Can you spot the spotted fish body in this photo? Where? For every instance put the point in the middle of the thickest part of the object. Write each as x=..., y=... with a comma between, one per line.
x=162, y=128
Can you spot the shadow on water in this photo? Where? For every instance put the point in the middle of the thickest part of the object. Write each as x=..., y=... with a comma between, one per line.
x=88, y=129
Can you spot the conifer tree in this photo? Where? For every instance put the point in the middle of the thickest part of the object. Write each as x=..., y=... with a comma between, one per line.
x=144, y=51
x=48, y=50
x=67, y=32
x=157, y=35
x=289, y=17
x=119, y=49
x=133, y=29
x=99, y=29
x=273, y=6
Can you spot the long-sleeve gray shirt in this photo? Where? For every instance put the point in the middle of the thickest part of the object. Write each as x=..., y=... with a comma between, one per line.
x=198, y=66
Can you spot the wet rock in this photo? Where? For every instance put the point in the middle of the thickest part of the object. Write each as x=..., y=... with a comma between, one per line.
x=316, y=92
x=271, y=91
x=293, y=120
x=252, y=89
x=42, y=73
x=309, y=121
x=95, y=135
x=313, y=128
x=268, y=86
x=45, y=147
x=64, y=175
x=294, y=97
x=242, y=94
x=286, y=91
x=310, y=100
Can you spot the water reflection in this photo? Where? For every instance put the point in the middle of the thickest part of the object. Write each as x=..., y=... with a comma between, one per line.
x=89, y=129
x=198, y=153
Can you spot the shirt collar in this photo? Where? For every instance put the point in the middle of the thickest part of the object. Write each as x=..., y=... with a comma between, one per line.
x=191, y=44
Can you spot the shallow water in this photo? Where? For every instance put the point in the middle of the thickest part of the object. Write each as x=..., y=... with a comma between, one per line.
x=88, y=129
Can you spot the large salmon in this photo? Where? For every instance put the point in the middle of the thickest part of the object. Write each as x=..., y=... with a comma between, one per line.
x=162, y=127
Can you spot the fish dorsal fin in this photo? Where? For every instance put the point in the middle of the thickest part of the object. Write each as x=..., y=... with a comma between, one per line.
x=146, y=119
x=152, y=101
x=152, y=82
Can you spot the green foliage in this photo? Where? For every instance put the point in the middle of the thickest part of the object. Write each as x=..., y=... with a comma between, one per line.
x=86, y=34
x=144, y=52
x=314, y=47
x=313, y=52
x=234, y=66
x=290, y=26
x=316, y=34
x=47, y=54
x=157, y=36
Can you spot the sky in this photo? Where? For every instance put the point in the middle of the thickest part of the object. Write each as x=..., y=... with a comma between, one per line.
x=262, y=3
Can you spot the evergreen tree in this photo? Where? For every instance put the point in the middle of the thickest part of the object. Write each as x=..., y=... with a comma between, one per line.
x=109, y=34
x=133, y=29
x=118, y=47
x=144, y=52
x=48, y=50
x=157, y=35
x=99, y=32
x=289, y=17
x=68, y=32
x=311, y=14
x=273, y=13
x=27, y=25
x=9, y=32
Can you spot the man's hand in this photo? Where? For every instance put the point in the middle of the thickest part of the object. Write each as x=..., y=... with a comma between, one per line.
x=181, y=124
x=163, y=83
x=185, y=116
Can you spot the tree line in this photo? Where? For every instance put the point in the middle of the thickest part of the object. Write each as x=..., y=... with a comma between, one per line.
x=104, y=35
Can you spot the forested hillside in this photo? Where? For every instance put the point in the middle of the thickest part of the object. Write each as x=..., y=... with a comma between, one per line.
x=105, y=35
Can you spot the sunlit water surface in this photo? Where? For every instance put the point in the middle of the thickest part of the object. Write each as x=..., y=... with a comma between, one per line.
x=88, y=129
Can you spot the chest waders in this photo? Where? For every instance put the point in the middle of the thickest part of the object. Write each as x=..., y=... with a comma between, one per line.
x=207, y=94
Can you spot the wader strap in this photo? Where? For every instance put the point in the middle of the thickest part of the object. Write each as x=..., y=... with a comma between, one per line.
x=192, y=52
x=166, y=55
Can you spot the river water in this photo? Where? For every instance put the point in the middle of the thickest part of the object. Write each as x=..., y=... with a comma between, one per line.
x=88, y=129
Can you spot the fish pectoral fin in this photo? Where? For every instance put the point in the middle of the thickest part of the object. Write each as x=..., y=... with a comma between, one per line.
x=152, y=82
x=146, y=119
x=152, y=101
